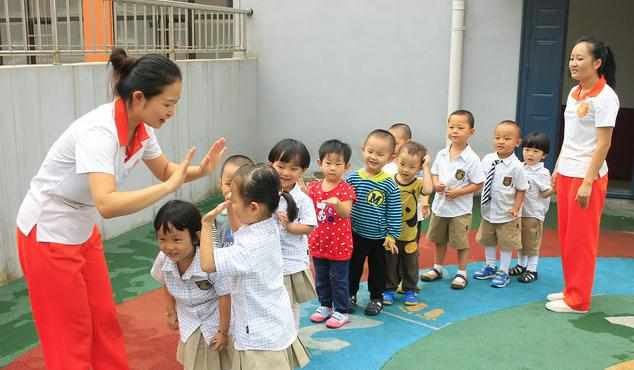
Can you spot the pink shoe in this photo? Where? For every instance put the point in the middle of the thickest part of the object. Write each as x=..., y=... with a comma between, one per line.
x=321, y=314
x=337, y=320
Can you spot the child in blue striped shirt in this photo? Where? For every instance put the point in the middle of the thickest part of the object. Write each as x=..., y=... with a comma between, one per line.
x=376, y=218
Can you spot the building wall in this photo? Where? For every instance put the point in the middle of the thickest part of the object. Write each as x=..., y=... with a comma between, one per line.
x=341, y=68
x=39, y=102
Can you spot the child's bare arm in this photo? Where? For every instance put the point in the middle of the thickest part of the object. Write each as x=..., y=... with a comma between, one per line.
x=547, y=193
x=517, y=204
x=464, y=190
x=170, y=309
x=299, y=229
x=343, y=208
x=438, y=186
x=428, y=184
x=208, y=238
x=220, y=340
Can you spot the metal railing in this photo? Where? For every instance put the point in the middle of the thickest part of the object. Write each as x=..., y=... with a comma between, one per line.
x=56, y=29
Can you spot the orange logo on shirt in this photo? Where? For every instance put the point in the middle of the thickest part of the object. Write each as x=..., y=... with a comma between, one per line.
x=582, y=109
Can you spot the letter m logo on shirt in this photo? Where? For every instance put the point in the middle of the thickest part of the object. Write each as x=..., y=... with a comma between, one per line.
x=376, y=198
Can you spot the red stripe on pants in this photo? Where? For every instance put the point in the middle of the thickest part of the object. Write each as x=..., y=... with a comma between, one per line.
x=72, y=303
x=579, y=238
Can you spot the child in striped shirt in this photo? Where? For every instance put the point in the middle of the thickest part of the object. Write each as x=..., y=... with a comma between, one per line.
x=376, y=218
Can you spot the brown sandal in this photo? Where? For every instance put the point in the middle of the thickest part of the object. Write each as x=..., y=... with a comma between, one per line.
x=427, y=275
x=458, y=284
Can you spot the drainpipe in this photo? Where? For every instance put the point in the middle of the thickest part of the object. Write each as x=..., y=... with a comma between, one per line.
x=455, y=55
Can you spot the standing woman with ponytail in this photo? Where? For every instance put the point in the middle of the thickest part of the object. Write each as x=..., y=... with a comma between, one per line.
x=580, y=176
x=59, y=244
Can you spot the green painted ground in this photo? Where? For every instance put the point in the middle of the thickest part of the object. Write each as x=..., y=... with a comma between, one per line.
x=527, y=337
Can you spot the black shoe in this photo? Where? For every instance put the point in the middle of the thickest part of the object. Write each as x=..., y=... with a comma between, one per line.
x=517, y=270
x=374, y=307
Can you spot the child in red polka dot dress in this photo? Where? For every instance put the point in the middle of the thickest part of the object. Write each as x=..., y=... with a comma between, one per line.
x=331, y=241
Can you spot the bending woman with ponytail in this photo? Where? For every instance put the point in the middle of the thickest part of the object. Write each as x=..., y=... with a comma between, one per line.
x=59, y=244
x=580, y=176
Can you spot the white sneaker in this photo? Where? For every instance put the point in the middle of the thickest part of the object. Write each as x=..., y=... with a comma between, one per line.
x=555, y=296
x=561, y=306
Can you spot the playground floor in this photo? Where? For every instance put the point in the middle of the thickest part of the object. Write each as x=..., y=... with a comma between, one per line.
x=478, y=328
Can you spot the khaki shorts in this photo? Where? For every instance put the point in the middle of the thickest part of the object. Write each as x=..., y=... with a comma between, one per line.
x=507, y=236
x=195, y=354
x=300, y=287
x=532, y=230
x=450, y=230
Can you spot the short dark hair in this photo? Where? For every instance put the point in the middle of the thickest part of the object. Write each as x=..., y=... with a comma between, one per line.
x=290, y=150
x=337, y=147
x=181, y=215
x=383, y=134
x=464, y=113
x=237, y=160
x=512, y=123
x=537, y=140
x=149, y=74
x=414, y=148
x=404, y=127
x=260, y=183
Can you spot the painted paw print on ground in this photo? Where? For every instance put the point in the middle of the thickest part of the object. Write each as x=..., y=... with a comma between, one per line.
x=330, y=344
x=429, y=315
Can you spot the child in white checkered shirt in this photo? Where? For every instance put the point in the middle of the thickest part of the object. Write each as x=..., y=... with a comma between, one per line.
x=198, y=303
x=264, y=329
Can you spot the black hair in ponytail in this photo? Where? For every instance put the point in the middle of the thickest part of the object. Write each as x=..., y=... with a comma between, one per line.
x=149, y=74
x=260, y=183
x=601, y=51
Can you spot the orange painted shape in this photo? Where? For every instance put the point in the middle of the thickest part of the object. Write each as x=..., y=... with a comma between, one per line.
x=97, y=28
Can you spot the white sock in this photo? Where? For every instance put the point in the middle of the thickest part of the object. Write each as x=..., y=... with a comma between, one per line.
x=505, y=260
x=532, y=263
x=438, y=267
x=522, y=260
x=463, y=272
x=489, y=253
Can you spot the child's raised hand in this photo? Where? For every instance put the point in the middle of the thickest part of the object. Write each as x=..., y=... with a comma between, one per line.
x=282, y=217
x=426, y=160
x=332, y=201
x=219, y=341
x=211, y=215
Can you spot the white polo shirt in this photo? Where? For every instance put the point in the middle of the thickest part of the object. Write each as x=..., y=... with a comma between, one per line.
x=538, y=178
x=261, y=310
x=462, y=171
x=295, y=247
x=583, y=115
x=509, y=179
x=196, y=293
x=391, y=168
x=59, y=201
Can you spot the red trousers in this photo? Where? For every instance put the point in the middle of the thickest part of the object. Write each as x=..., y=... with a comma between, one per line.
x=579, y=238
x=72, y=304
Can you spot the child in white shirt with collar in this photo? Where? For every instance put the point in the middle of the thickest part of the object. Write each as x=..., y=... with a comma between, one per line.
x=264, y=329
x=203, y=304
x=290, y=159
x=501, y=202
x=536, y=203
